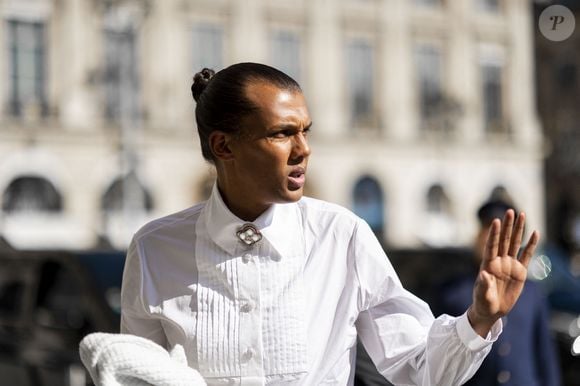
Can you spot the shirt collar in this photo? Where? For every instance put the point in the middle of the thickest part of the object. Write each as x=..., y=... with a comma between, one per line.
x=280, y=225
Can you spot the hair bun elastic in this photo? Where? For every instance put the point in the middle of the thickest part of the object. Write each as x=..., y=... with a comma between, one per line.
x=200, y=82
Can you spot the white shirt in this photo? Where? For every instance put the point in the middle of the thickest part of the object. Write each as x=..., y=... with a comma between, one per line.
x=288, y=309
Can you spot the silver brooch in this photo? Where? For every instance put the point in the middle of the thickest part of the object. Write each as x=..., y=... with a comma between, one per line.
x=248, y=234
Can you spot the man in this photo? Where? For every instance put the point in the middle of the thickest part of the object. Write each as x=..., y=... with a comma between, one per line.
x=263, y=286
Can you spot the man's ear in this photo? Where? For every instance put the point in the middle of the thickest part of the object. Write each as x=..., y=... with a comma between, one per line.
x=219, y=145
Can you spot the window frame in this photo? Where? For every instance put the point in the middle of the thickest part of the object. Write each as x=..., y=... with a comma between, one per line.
x=37, y=102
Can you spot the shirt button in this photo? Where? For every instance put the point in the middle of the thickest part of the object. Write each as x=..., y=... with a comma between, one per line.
x=247, y=257
x=248, y=354
x=504, y=376
x=247, y=307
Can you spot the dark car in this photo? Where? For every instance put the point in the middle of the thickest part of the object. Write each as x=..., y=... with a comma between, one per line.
x=48, y=302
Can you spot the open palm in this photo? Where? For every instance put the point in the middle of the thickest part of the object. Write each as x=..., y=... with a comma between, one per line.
x=502, y=274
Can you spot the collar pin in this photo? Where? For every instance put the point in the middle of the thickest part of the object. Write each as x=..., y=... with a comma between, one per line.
x=249, y=234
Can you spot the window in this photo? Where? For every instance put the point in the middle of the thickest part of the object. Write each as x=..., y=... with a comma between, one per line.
x=126, y=193
x=438, y=227
x=27, y=57
x=126, y=207
x=286, y=54
x=207, y=46
x=11, y=296
x=429, y=68
x=491, y=74
x=368, y=203
x=437, y=201
x=360, y=81
x=60, y=299
x=501, y=193
x=31, y=194
x=121, y=74
x=488, y=5
x=428, y=3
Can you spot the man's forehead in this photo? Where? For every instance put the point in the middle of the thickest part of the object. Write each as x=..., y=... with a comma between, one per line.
x=275, y=102
x=262, y=93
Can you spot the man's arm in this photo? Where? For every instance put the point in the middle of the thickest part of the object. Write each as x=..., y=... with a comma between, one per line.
x=135, y=320
x=406, y=344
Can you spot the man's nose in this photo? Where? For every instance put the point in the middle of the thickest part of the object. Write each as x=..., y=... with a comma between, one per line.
x=301, y=148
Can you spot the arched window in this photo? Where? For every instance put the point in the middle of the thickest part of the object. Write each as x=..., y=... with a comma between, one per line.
x=31, y=194
x=438, y=225
x=368, y=203
x=126, y=206
x=501, y=193
x=437, y=200
x=127, y=193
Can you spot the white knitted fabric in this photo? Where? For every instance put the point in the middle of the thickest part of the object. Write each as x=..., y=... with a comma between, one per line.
x=128, y=360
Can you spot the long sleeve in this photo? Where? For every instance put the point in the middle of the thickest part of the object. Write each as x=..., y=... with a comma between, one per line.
x=409, y=346
x=135, y=319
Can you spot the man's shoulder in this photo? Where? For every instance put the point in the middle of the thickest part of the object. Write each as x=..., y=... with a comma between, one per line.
x=321, y=206
x=184, y=219
x=326, y=212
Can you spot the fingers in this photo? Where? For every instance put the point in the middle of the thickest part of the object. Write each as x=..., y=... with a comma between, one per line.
x=492, y=244
x=506, y=232
x=516, y=240
x=505, y=239
x=530, y=248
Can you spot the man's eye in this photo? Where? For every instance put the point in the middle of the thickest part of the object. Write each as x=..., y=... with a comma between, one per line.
x=280, y=134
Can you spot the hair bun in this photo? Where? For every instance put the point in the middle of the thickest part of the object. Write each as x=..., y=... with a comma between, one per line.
x=200, y=82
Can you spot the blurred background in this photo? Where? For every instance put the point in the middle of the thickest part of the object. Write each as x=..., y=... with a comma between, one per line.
x=422, y=110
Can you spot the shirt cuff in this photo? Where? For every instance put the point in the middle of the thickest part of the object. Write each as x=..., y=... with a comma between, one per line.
x=471, y=339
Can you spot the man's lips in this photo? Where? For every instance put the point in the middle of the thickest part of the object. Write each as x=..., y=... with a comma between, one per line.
x=296, y=178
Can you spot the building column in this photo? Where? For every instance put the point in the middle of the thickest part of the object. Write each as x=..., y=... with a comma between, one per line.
x=248, y=32
x=396, y=63
x=78, y=103
x=166, y=51
x=461, y=74
x=520, y=87
x=4, y=80
x=325, y=79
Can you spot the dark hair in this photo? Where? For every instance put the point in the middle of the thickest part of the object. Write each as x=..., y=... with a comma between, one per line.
x=221, y=100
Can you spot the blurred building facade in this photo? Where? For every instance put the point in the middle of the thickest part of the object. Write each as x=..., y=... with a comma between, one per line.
x=421, y=109
x=558, y=93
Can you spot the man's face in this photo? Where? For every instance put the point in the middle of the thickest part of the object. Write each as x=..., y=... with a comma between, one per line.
x=270, y=156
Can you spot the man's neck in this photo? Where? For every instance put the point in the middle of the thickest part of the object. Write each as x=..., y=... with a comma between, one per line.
x=245, y=211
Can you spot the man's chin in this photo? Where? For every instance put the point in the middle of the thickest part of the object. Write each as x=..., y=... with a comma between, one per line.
x=292, y=195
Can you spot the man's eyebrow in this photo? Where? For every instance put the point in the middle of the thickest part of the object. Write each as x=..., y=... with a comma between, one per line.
x=289, y=126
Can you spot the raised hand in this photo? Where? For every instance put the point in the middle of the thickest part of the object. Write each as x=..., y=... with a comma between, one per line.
x=502, y=274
